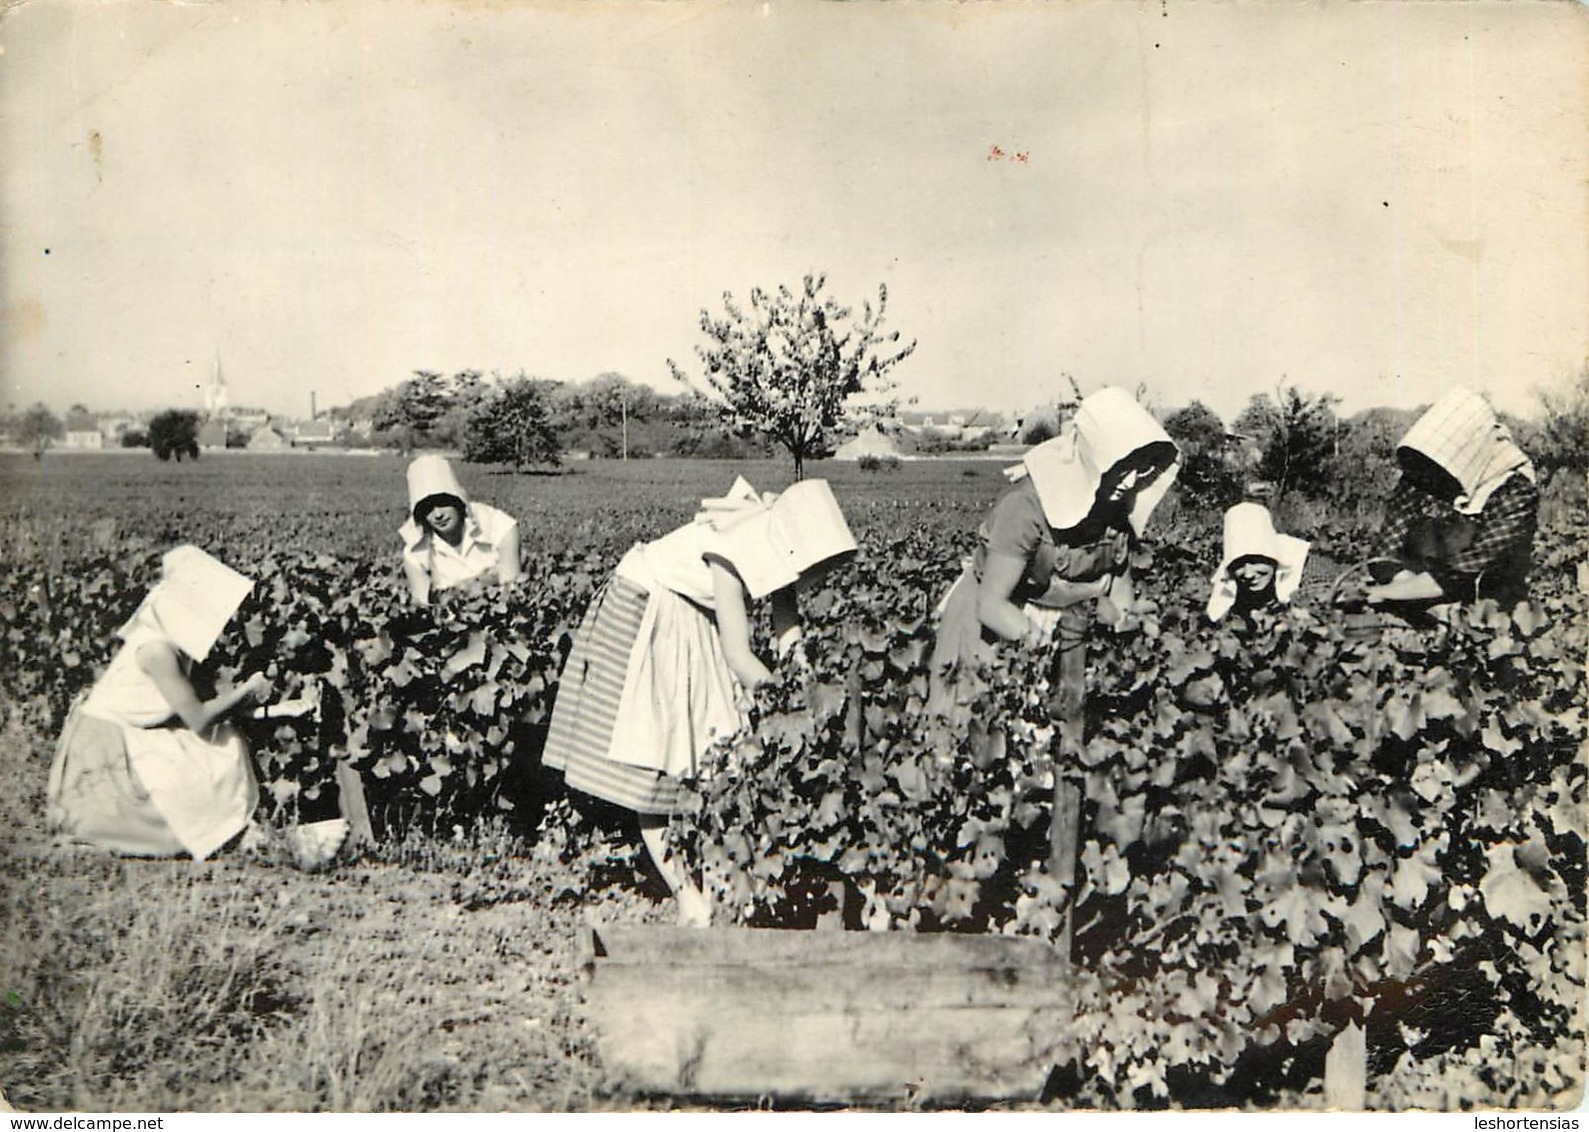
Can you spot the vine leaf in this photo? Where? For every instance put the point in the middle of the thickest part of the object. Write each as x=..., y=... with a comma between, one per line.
x=1511, y=892
x=1414, y=877
x=1364, y=919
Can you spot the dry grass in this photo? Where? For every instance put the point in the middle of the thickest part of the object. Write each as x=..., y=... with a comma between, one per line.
x=433, y=975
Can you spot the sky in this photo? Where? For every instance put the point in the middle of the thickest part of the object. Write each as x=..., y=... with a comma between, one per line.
x=1377, y=200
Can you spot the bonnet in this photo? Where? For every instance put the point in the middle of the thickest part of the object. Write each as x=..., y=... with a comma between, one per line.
x=194, y=599
x=1067, y=470
x=428, y=476
x=773, y=539
x=1250, y=533
x=1461, y=433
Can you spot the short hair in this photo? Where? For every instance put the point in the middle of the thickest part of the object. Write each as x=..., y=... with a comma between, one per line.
x=425, y=506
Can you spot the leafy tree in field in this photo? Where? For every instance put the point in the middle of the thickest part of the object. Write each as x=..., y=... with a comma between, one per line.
x=1048, y=419
x=513, y=426
x=1363, y=466
x=696, y=428
x=135, y=438
x=36, y=428
x=1035, y=430
x=787, y=366
x=410, y=413
x=1561, y=441
x=1196, y=427
x=1207, y=471
x=611, y=415
x=175, y=432
x=466, y=390
x=1296, y=437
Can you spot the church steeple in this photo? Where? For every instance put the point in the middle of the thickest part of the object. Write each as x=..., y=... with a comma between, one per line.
x=215, y=398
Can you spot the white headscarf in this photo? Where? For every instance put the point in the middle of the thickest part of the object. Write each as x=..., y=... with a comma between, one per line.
x=194, y=599
x=1067, y=470
x=1461, y=433
x=428, y=476
x=773, y=539
x=1250, y=533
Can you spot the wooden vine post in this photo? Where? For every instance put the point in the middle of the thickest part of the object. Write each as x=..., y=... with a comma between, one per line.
x=1069, y=681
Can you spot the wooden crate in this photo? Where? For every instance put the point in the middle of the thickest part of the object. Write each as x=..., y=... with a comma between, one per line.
x=826, y=1015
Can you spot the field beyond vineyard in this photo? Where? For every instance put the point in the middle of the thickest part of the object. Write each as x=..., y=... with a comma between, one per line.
x=1313, y=824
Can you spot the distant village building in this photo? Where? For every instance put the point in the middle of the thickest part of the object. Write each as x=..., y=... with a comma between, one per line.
x=215, y=429
x=954, y=425
x=212, y=434
x=217, y=399
x=267, y=439
x=312, y=434
x=113, y=426
x=870, y=441
x=80, y=430
x=246, y=420
x=83, y=439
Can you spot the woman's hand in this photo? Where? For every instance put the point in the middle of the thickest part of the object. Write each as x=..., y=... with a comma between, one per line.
x=1117, y=606
x=1036, y=636
x=163, y=666
x=1406, y=586
x=258, y=688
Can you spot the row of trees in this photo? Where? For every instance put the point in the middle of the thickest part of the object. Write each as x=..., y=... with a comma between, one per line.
x=783, y=371
x=171, y=433
x=524, y=420
x=787, y=370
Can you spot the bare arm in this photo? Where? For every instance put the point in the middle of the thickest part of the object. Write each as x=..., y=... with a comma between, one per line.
x=733, y=626
x=1001, y=573
x=508, y=568
x=418, y=581
x=159, y=662
x=1407, y=585
x=1061, y=592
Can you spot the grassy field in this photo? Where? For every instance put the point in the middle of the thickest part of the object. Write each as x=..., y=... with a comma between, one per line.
x=353, y=504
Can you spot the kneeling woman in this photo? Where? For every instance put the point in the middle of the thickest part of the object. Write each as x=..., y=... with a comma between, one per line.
x=1460, y=522
x=663, y=654
x=448, y=540
x=1260, y=568
x=144, y=766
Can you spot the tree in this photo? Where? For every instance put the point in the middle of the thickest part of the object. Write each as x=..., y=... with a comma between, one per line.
x=411, y=411
x=37, y=427
x=1048, y=420
x=1364, y=465
x=787, y=367
x=1296, y=438
x=175, y=432
x=1209, y=470
x=79, y=418
x=467, y=389
x=610, y=414
x=513, y=426
x=1561, y=441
